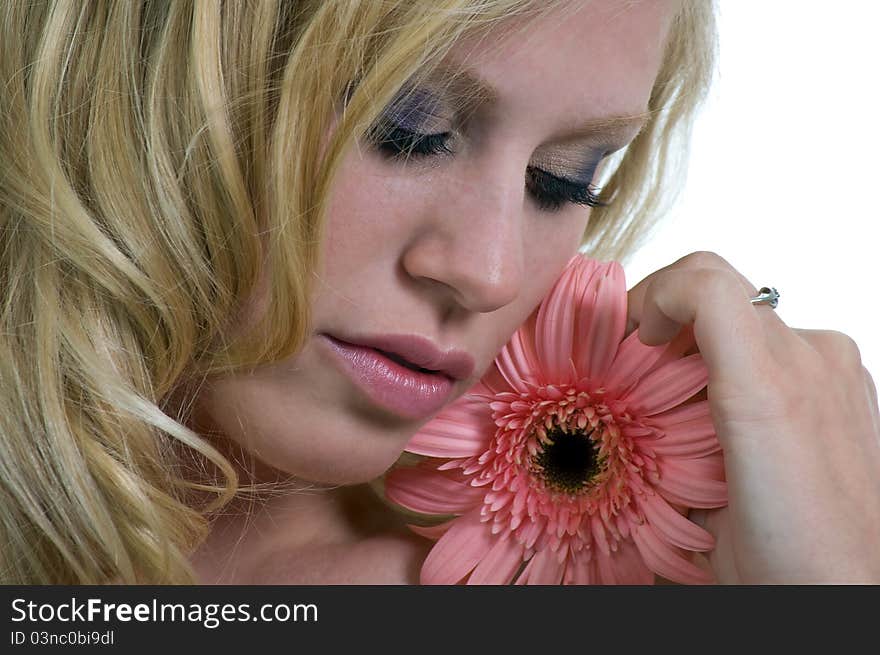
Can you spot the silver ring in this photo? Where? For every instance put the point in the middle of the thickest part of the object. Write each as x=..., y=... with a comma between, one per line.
x=766, y=296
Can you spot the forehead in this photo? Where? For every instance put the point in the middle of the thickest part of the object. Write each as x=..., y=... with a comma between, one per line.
x=577, y=61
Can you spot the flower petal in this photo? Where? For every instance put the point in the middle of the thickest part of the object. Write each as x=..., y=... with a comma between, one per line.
x=432, y=532
x=580, y=571
x=676, y=348
x=688, y=432
x=462, y=429
x=632, y=361
x=673, y=527
x=666, y=560
x=500, y=564
x=554, y=328
x=693, y=482
x=518, y=361
x=668, y=386
x=458, y=551
x=607, y=570
x=429, y=492
x=542, y=569
x=601, y=321
x=493, y=381
x=629, y=567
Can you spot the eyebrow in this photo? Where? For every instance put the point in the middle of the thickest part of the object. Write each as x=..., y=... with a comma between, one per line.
x=471, y=92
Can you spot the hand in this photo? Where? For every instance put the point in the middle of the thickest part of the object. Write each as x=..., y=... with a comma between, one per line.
x=796, y=414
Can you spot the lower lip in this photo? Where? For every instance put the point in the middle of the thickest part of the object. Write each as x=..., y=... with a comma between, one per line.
x=405, y=392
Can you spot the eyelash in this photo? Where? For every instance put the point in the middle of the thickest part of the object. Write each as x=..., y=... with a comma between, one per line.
x=550, y=192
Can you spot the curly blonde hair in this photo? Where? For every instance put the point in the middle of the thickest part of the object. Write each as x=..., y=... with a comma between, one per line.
x=154, y=158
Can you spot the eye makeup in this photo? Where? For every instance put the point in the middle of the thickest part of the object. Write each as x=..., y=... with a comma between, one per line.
x=552, y=192
x=404, y=130
x=419, y=110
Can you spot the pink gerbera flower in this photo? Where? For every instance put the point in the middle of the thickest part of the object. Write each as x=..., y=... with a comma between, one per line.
x=573, y=459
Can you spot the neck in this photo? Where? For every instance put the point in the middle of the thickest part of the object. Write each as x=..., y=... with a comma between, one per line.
x=277, y=512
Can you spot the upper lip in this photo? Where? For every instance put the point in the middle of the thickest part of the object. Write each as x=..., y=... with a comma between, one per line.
x=418, y=351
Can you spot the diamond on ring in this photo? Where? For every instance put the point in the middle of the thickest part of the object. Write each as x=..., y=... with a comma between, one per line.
x=766, y=296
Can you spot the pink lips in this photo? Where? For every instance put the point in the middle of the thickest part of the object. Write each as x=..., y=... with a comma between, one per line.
x=409, y=393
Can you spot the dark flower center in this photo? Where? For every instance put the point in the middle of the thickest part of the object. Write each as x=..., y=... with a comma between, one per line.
x=570, y=462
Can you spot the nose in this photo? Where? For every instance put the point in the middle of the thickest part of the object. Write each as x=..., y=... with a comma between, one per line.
x=472, y=239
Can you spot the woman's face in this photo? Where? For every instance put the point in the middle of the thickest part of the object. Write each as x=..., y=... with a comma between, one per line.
x=456, y=248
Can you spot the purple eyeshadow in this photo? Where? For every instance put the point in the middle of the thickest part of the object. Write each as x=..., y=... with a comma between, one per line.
x=412, y=112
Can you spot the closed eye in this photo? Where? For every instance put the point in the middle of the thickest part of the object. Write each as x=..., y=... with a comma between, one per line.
x=550, y=191
x=398, y=142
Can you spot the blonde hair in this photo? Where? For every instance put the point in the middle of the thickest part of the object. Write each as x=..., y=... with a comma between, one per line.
x=151, y=155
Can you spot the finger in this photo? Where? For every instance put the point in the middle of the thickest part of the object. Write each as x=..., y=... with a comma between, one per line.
x=699, y=259
x=871, y=390
x=842, y=355
x=837, y=348
x=777, y=330
x=727, y=329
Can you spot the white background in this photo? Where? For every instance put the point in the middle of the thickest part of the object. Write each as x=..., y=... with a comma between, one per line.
x=784, y=180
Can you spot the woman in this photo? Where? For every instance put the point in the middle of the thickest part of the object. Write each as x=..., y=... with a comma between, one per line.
x=205, y=208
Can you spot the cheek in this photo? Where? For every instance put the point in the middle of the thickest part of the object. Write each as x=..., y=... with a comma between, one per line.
x=552, y=243
x=367, y=219
x=549, y=247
